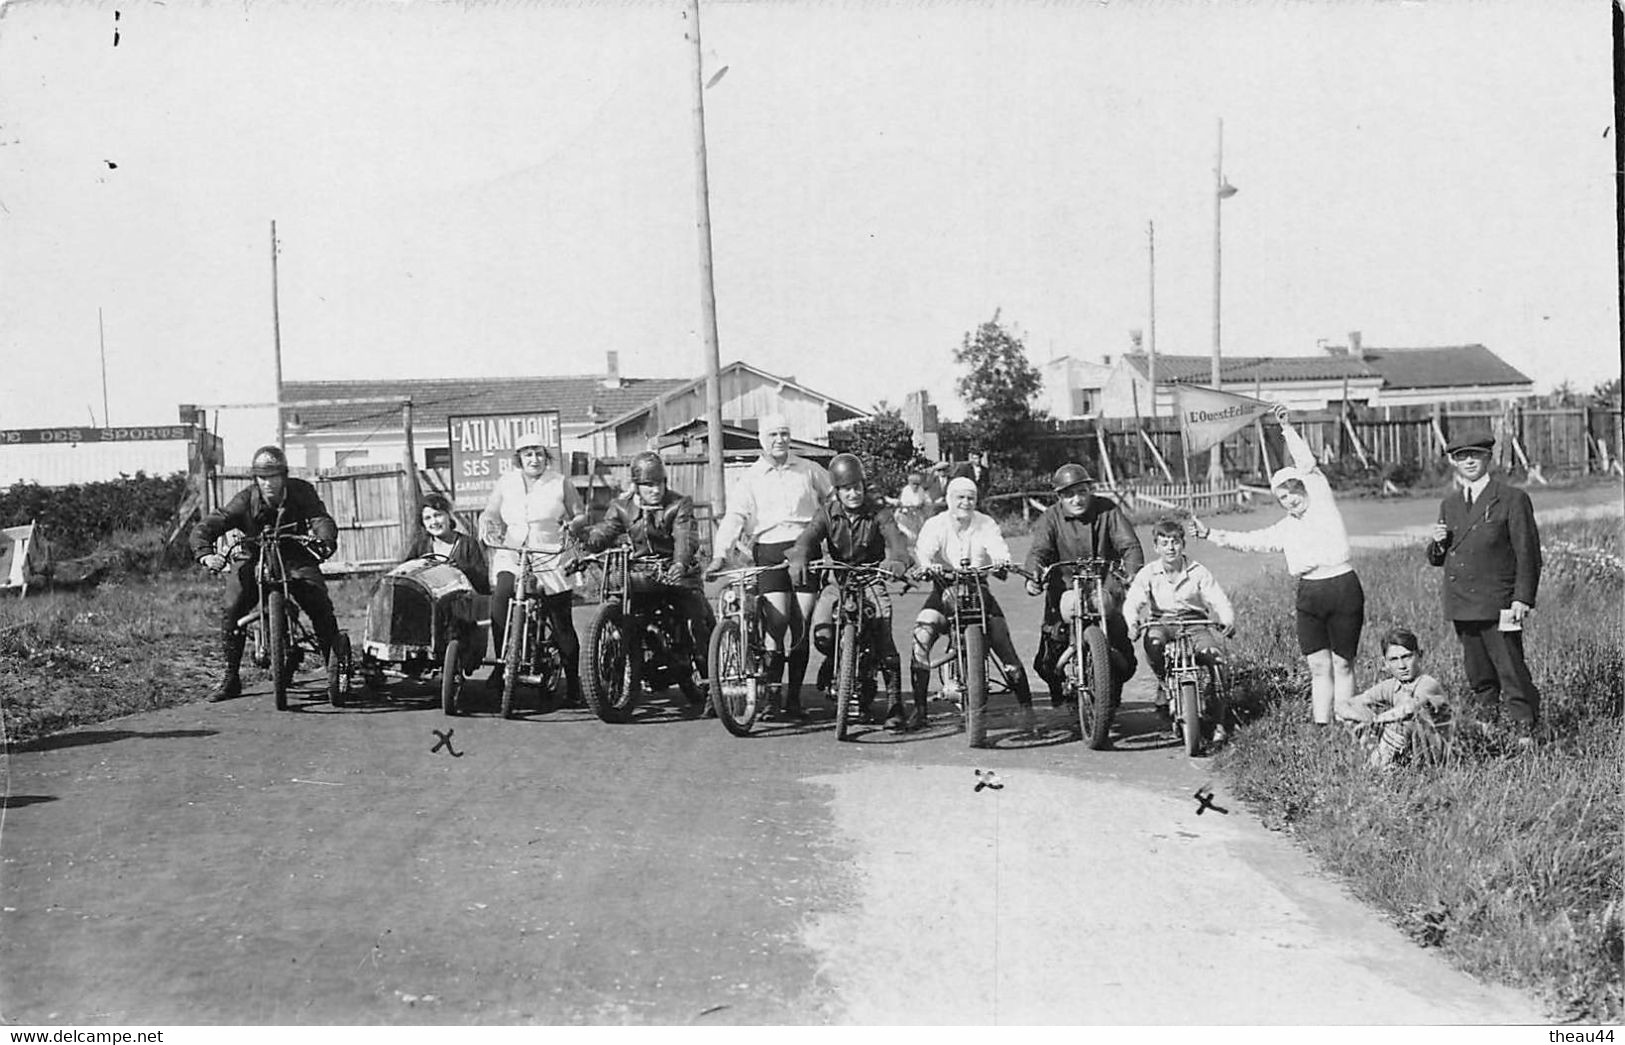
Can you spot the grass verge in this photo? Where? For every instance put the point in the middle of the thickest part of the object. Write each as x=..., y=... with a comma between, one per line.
x=1506, y=859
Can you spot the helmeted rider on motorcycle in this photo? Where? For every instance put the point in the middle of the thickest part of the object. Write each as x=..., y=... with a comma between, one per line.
x=1080, y=525
x=657, y=520
x=852, y=527
x=274, y=501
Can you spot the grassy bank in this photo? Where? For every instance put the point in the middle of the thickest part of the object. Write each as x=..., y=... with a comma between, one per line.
x=134, y=643
x=1507, y=859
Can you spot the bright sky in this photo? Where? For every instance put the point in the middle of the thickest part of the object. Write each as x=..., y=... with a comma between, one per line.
x=509, y=188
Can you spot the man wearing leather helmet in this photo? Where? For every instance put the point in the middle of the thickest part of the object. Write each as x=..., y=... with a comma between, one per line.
x=656, y=520
x=1080, y=525
x=274, y=501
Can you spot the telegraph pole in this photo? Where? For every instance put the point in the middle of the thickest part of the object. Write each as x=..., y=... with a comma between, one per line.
x=276, y=339
x=708, y=294
x=101, y=337
x=1151, y=320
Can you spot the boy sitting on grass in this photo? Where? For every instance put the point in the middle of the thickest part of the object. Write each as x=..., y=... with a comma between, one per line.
x=1398, y=718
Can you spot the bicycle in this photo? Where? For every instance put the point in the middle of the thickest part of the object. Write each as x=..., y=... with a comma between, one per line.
x=963, y=664
x=1181, y=691
x=861, y=600
x=637, y=636
x=737, y=653
x=530, y=652
x=1085, y=664
x=278, y=637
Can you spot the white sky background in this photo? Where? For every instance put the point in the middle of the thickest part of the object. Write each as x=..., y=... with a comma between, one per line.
x=509, y=188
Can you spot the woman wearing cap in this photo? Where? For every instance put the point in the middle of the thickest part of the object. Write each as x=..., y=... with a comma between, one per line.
x=532, y=504
x=1331, y=603
x=768, y=507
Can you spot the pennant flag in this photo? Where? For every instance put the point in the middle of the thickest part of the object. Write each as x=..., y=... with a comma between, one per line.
x=1210, y=416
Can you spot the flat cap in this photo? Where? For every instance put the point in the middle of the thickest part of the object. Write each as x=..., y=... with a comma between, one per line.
x=1471, y=439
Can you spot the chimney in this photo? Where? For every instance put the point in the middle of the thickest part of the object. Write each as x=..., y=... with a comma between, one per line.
x=1105, y=359
x=1354, y=344
x=612, y=364
x=1136, y=337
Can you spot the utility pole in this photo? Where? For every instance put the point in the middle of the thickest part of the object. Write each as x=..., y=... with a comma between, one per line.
x=101, y=336
x=1151, y=320
x=276, y=338
x=708, y=294
x=1222, y=190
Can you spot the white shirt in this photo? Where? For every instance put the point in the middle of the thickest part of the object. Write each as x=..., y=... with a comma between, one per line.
x=1316, y=544
x=536, y=514
x=1190, y=591
x=942, y=542
x=1476, y=487
x=772, y=503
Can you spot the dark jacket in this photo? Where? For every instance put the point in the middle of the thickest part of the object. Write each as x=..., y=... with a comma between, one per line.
x=1492, y=557
x=466, y=555
x=864, y=537
x=1101, y=532
x=302, y=508
x=667, y=530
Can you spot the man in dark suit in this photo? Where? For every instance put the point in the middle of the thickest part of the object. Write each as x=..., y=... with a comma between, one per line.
x=1489, y=546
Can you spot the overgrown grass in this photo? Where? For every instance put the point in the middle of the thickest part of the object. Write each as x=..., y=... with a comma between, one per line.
x=134, y=643
x=1506, y=858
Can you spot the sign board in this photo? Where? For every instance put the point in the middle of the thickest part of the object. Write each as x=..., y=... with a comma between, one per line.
x=82, y=434
x=482, y=450
x=1210, y=416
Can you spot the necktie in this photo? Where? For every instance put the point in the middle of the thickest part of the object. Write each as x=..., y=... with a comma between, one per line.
x=1469, y=497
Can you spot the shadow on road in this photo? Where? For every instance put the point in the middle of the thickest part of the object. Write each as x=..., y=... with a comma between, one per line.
x=87, y=737
x=18, y=801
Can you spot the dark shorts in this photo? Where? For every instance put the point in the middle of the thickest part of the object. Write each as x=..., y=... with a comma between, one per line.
x=778, y=580
x=1331, y=613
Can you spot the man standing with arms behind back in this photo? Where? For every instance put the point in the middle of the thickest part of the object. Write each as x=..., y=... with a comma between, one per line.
x=1489, y=546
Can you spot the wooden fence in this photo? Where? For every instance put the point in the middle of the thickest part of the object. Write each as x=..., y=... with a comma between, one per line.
x=373, y=508
x=1531, y=442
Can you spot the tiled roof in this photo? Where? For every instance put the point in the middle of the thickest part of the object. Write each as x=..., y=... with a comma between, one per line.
x=1447, y=366
x=1250, y=369
x=434, y=398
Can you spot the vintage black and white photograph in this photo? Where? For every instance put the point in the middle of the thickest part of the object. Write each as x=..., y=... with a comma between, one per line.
x=717, y=513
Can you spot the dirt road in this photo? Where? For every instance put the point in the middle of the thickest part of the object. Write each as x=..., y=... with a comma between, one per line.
x=232, y=864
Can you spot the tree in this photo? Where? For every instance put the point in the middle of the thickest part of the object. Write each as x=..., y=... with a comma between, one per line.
x=998, y=388
x=885, y=445
x=1606, y=393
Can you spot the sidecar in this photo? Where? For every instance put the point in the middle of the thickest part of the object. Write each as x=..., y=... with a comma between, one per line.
x=424, y=617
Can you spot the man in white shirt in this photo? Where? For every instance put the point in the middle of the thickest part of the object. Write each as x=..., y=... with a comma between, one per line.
x=768, y=507
x=962, y=533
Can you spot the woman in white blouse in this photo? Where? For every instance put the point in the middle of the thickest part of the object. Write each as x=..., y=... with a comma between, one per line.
x=532, y=505
x=1330, y=602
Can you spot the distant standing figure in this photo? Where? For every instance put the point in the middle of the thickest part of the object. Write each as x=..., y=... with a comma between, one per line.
x=1487, y=541
x=1330, y=603
x=915, y=504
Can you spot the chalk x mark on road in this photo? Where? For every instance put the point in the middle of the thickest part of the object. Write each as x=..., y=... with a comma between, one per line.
x=988, y=778
x=1204, y=801
x=445, y=742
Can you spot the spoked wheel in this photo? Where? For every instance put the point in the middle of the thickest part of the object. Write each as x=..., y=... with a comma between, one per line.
x=511, y=656
x=338, y=671
x=846, y=680
x=609, y=677
x=451, y=676
x=276, y=644
x=976, y=685
x=733, y=691
x=1095, y=689
x=1190, y=710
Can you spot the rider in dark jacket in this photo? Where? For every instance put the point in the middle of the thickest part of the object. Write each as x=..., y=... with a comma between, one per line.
x=275, y=500
x=852, y=527
x=656, y=520
x=1080, y=525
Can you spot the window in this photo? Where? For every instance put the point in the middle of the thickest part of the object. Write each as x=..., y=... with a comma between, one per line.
x=347, y=458
x=1083, y=401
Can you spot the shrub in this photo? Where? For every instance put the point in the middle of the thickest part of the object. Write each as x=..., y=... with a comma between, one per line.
x=75, y=519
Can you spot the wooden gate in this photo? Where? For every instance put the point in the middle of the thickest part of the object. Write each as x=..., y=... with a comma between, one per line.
x=365, y=503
